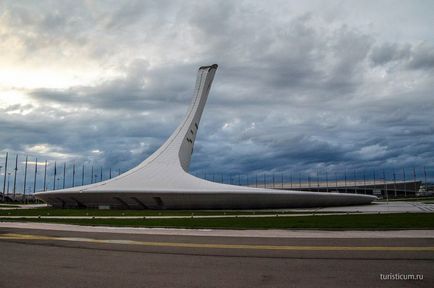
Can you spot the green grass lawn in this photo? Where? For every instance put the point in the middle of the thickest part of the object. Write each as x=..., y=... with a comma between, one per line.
x=8, y=206
x=96, y=212
x=338, y=222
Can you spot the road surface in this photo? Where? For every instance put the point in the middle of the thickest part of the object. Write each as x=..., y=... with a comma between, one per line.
x=55, y=258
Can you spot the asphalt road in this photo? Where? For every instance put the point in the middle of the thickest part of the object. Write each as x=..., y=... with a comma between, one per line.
x=44, y=258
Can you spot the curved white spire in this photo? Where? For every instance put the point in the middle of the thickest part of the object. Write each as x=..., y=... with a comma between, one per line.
x=179, y=146
x=174, y=156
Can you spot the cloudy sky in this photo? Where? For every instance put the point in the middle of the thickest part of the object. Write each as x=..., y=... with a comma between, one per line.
x=301, y=85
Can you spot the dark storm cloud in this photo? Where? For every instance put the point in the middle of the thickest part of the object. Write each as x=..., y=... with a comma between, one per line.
x=389, y=52
x=422, y=58
x=120, y=141
x=293, y=92
x=407, y=56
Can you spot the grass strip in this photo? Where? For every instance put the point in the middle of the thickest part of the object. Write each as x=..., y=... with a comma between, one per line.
x=333, y=222
x=8, y=206
x=409, y=199
x=96, y=212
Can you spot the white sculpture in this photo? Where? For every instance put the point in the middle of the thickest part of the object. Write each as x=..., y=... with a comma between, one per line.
x=162, y=180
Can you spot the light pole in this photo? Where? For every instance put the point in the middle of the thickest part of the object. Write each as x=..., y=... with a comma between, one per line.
x=299, y=180
x=54, y=175
x=73, y=175
x=336, y=178
x=25, y=179
x=34, y=179
x=4, y=178
x=291, y=179
x=424, y=174
x=64, y=174
x=82, y=175
x=385, y=184
x=405, y=183
x=374, y=177
x=345, y=180
x=265, y=182
x=414, y=180
x=364, y=181
x=355, y=184
x=15, y=175
x=45, y=176
x=9, y=174
x=3, y=196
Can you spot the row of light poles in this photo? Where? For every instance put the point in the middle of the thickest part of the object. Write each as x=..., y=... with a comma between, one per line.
x=57, y=177
x=377, y=177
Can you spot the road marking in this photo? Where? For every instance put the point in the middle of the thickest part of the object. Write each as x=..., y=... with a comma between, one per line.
x=12, y=236
x=186, y=216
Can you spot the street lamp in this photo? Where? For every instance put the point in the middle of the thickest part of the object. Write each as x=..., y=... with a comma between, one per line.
x=9, y=174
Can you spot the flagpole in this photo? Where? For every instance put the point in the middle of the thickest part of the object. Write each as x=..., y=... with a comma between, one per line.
x=34, y=179
x=4, y=180
x=25, y=178
x=73, y=175
x=54, y=175
x=45, y=176
x=15, y=175
x=64, y=174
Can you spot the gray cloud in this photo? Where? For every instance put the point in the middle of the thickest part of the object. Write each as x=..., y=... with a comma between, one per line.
x=422, y=58
x=388, y=52
x=405, y=56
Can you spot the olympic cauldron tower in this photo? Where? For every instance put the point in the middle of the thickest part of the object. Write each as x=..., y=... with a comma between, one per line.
x=162, y=180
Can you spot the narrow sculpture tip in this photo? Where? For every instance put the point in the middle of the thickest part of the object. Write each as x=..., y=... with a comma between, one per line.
x=213, y=66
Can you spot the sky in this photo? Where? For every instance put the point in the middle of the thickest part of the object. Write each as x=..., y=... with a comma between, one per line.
x=302, y=86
